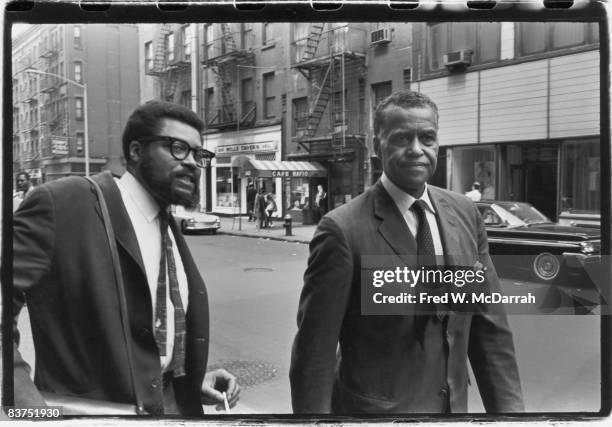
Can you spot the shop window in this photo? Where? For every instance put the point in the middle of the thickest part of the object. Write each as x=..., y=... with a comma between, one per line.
x=580, y=177
x=269, y=96
x=300, y=197
x=227, y=187
x=473, y=164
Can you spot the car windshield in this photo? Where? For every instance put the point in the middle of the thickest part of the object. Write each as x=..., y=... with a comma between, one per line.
x=519, y=214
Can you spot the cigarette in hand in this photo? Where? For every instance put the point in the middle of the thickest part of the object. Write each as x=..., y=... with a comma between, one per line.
x=226, y=403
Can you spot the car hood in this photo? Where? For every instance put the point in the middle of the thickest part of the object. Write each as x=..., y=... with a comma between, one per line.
x=586, y=232
x=548, y=230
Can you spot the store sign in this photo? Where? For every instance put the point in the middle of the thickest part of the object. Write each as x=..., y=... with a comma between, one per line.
x=292, y=174
x=247, y=148
x=59, y=146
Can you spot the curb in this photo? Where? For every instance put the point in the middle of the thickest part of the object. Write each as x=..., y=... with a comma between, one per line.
x=262, y=236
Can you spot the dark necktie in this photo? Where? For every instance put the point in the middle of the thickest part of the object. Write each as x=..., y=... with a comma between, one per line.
x=167, y=259
x=426, y=255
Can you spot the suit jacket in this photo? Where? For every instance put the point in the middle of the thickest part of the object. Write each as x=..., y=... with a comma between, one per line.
x=379, y=365
x=62, y=268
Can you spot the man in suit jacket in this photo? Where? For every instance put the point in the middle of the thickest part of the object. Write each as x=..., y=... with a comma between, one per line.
x=62, y=267
x=346, y=362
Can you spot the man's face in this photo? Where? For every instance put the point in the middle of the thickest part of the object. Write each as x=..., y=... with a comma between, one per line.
x=22, y=183
x=407, y=144
x=171, y=181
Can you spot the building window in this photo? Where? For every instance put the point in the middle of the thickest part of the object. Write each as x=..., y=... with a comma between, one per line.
x=407, y=77
x=380, y=91
x=209, y=108
x=227, y=187
x=581, y=177
x=78, y=106
x=170, y=47
x=269, y=98
x=80, y=142
x=148, y=53
x=266, y=36
x=482, y=39
x=77, y=37
x=474, y=164
x=539, y=37
x=187, y=35
x=300, y=114
x=246, y=36
x=78, y=72
x=339, y=112
x=209, y=38
x=186, y=98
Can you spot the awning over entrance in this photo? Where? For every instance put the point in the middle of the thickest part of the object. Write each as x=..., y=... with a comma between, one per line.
x=277, y=169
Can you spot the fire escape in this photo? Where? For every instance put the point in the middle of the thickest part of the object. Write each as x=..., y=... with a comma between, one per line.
x=168, y=70
x=327, y=58
x=54, y=116
x=223, y=56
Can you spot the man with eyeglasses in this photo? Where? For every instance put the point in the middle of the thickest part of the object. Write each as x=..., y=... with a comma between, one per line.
x=104, y=348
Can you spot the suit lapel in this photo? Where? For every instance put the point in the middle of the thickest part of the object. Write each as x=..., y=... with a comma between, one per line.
x=124, y=232
x=393, y=227
x=447, y=224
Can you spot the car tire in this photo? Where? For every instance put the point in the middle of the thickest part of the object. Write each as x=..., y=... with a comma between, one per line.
x=546, y=266
x=184, y=227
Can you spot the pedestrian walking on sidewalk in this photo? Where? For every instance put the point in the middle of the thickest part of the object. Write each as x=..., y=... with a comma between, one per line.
x=259, y=208
x=270, y=209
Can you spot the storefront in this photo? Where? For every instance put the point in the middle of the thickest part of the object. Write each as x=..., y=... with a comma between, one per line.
x=224, y=191
x=294, y=179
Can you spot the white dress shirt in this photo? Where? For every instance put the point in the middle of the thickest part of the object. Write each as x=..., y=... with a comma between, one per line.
x=404, y=202
x=143, y=211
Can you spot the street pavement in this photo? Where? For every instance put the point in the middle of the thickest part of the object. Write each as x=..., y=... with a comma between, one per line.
x=254, y=278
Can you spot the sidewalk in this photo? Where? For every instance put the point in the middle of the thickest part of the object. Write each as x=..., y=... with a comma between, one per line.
x=242, y=227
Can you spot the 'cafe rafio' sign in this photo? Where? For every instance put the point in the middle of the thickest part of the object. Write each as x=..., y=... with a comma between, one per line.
x=256, y=147
x=292, y=174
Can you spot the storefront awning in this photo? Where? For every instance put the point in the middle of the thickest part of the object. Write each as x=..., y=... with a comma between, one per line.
x=277, y=169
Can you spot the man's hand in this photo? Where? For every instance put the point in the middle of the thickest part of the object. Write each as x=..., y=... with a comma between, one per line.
x=215, y=383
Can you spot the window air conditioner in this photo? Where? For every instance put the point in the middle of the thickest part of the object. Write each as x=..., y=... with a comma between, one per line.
x=380, y=36
x=458, y=59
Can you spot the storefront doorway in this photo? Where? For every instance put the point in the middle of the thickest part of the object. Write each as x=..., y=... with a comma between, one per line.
x=533, y=175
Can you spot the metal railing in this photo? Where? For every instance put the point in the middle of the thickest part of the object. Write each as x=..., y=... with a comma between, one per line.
x=333, y=41
x=227, y=114
x=244, y=42
x=355, y=123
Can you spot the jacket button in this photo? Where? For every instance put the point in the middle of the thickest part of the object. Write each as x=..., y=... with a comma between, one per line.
x=155, y=383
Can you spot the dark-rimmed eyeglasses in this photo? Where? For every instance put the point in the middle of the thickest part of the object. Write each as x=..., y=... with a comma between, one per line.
x=180, y=149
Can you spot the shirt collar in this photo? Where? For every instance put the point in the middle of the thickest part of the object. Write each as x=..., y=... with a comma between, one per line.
x=402, y=199
x=143, y=201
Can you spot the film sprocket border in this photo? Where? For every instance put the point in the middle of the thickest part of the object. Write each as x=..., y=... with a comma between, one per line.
x=64, y=12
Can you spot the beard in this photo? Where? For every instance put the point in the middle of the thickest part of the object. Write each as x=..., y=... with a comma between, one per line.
x=165, y=191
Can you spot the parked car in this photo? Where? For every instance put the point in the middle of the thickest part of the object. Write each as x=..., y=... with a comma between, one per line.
x=193, y=220
x=541, y=250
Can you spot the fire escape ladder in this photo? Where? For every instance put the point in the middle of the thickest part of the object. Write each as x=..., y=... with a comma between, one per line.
x=160, y=58
x=321, y=99
x=171, y=83
x=223, y=81
x=313, y=40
